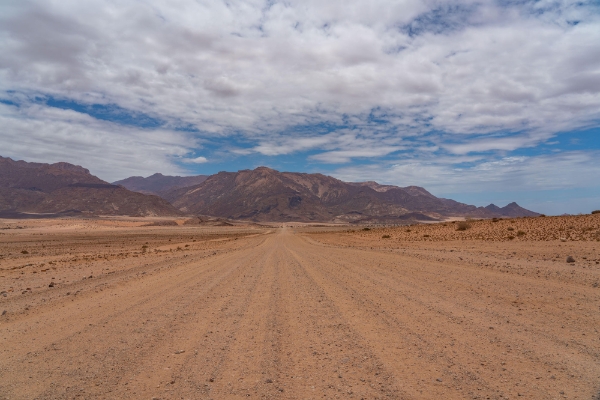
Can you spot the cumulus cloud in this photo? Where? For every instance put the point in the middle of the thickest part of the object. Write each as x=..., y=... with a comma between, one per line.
x=565, y=170
x=108, y=150
x=196, y=160
x=339, y=79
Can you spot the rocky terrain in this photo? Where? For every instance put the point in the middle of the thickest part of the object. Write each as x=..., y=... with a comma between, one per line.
x=112, y=308
x=159, y=184
x=264, y=194
x=66, y=188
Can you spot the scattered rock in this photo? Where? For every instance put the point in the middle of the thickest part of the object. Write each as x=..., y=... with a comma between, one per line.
x=570, y=259
x=51, y=284
x=269, y=381
x=438, y=379
x=4, y=312
x=179, y=351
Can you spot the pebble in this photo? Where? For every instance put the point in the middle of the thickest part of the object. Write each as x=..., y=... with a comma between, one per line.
x=4, y=312
x=180, y=351
x=51, y=284
x=570, y=259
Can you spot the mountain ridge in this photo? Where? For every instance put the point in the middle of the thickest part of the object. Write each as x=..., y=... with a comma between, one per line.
x=265, y=194
x=62, y=187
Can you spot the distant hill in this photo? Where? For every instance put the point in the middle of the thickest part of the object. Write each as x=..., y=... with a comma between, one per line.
x=159, y=183
x=264, y=194
x=511, y=210
x=66, y=188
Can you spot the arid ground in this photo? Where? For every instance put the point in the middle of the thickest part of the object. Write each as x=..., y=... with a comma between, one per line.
x=114, y=309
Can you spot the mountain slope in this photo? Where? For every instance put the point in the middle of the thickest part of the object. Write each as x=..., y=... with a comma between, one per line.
x=159, y=183
x=511, y=210
x=264, y=194
x=54, y=188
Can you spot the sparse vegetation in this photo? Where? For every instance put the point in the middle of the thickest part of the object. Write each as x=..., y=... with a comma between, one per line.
x=510, y=228
x=24, y=252
x=385, y=237
x=463, y=226
x=425, y=235
x=495, y=219
x=596, y=212
x=366, y=229
x=521, y=233
x=510, y=237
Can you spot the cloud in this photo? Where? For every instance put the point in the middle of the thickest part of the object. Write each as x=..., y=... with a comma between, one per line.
x=448, y=175
x=109, y=150
x=197, y=160
x=145, y=83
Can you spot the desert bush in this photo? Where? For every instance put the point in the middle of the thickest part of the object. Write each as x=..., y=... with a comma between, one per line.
x=24, y=252
x=520, y=233
x=425, y=235
x=385, y=237
x=495, y=220
x=510, y=237
x=462, y=226
x=510, y=228
x=542, y=215
x=596, y=212
x=408, y=230
x=366, y=229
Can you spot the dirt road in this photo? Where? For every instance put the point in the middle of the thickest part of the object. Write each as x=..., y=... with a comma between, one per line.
x=285, y=315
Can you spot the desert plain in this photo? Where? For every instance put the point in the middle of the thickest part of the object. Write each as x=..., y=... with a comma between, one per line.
x=130, y=308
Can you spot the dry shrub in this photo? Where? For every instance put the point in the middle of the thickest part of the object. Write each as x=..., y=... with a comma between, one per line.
x=596, y=212
x=521, y=233
x=510, y=228
x=366, y=229
x=385, y=237
x=462, y=226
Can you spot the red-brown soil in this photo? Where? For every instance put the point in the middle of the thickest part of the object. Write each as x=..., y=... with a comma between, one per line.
x=207, y=312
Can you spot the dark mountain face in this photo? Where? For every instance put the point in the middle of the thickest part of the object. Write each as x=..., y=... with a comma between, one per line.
x=56, y=188
x=159, y=184
x=264, y=194
x=511, y=210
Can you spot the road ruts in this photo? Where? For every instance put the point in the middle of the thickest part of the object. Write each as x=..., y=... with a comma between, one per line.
x=284, y=317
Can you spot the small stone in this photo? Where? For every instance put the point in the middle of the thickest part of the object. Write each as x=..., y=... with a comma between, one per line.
x=4, y=312
x=51, y=284
x=269, y=381
x=180, y=351
x=438, y=379
x=211, y=380
x=570, y=259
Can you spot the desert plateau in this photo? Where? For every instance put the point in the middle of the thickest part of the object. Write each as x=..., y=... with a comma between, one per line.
x=154, y=308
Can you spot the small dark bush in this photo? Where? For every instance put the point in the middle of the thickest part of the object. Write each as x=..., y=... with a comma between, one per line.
x=495, y=220
x=366, y=229
x=521, y=233
x=596, y=212
x=385, y=237
x=24, y=252
x=511, y=237
x=408, y=230
x=462, y=226
x=542, y=215
x=510, y=228
x=425, y=235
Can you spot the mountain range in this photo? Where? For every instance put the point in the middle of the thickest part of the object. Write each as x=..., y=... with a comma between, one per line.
x=159, y=184
x=262, y=194
x=66, y=188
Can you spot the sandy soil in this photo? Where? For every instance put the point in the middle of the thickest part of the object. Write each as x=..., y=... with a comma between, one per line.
x=298, y=313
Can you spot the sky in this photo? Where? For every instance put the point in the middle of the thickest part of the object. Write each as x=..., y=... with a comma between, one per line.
x=478, y=101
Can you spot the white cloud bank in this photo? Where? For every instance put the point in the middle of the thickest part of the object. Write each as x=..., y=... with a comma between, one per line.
x=385, y=70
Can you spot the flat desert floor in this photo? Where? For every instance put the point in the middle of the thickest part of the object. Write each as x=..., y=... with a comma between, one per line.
x=113, y=309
